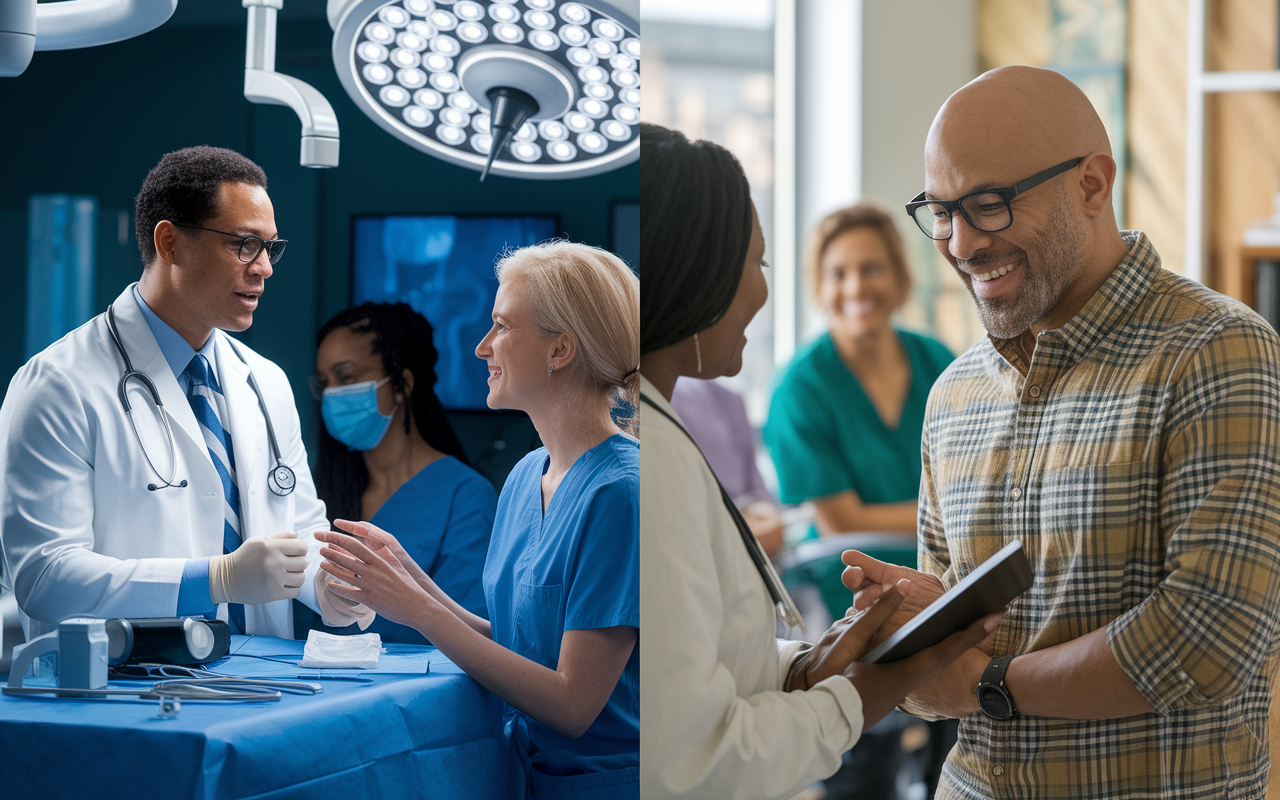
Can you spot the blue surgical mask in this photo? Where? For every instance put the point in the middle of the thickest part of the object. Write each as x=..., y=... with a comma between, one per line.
x=351, y=414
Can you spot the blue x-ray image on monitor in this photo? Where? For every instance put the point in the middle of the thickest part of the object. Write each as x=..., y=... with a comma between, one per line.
x=442, y=266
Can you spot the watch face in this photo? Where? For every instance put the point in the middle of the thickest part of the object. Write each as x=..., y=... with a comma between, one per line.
x=994, y=703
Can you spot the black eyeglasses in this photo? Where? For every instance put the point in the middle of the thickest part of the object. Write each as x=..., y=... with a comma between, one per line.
x=987, y=210
x=250, y=245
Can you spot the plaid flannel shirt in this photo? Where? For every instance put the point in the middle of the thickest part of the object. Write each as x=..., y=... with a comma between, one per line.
x=1135, y=456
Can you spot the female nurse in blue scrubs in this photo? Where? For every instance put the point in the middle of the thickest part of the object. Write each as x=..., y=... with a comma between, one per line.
x=388, y=454
x=561, y=645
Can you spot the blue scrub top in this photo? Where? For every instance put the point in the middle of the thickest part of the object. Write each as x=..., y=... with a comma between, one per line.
x=576, y=567
x=443, y=516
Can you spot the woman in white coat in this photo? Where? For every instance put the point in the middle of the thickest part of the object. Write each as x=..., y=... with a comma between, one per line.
x=729, y=711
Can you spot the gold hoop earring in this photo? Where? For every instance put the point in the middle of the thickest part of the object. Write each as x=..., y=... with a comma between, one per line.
x=697, y=348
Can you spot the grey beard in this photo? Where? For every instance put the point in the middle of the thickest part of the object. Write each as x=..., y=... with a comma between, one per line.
x=1010, y=317
x=1050, y=271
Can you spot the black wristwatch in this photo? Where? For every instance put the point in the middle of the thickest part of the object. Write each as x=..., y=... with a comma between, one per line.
x=993, y=695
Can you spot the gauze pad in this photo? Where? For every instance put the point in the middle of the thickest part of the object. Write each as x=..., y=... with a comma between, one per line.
x=352, y=652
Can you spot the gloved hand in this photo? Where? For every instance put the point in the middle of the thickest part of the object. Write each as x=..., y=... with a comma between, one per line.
x=261, y=570
x=339, y=611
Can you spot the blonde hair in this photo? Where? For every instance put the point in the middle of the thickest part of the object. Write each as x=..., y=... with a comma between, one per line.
x=593, y=296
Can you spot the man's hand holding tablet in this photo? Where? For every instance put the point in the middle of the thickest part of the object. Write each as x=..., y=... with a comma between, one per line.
x=987, y=589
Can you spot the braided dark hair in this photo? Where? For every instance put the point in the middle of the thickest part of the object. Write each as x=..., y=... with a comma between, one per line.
x=403, y=339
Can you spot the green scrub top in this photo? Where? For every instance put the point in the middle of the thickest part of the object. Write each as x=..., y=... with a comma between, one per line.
x=825, y=435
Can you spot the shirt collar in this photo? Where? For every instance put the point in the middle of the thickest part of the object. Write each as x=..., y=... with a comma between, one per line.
x=177, y=352
x=1113, y=303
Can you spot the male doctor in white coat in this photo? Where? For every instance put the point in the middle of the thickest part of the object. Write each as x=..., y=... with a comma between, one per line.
x=103, y=518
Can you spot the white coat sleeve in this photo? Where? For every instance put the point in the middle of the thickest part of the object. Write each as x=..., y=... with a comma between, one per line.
x=47, y=446
x=706, y=733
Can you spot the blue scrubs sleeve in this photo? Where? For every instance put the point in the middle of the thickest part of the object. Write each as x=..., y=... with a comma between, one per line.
x=193, y=591
x=604, y=590
x=460, y=562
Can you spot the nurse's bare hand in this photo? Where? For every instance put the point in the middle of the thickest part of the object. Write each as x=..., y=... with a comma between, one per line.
x=377, y=579
x=383, y=544
x=884, y=686
x=867, y=576
x=845, y=641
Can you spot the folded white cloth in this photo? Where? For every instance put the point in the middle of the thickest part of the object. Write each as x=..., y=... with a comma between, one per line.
x=350, y=652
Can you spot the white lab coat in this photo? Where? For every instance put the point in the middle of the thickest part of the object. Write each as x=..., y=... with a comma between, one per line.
x=717, y=724
x=80, y=533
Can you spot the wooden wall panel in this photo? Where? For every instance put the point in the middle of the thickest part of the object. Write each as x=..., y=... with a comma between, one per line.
x=1012, y=32
x=1157, y=98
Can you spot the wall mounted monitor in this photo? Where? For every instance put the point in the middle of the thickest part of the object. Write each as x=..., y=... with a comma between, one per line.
x=442, y=266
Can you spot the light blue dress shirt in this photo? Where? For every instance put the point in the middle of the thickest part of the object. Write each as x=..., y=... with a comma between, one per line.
x=193, y=592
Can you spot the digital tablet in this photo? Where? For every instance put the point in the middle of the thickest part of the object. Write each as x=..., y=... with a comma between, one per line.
x=986, y=590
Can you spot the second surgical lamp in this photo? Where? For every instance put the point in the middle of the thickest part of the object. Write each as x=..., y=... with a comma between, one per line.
x=522, y=88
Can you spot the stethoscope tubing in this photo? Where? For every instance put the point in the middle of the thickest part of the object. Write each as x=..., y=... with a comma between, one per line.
x=281, y=480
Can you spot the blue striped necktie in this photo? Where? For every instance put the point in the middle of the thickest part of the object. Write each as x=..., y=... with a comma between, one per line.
x=209, y=405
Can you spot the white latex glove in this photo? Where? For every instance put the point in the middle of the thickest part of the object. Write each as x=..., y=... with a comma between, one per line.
x=261, y=570
x=340, y=612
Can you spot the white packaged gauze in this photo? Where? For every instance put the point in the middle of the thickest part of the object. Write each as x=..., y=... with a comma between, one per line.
x=352, y=652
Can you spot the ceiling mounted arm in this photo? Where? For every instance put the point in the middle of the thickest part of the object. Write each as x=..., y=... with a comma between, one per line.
x=88, y=23
x=26, y=27
x=262, y=84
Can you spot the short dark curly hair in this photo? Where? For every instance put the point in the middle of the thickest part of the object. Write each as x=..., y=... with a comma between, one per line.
x=183, y=188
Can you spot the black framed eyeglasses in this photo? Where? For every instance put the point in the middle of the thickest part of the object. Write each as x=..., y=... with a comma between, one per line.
x=987, y=210
x=250, y=245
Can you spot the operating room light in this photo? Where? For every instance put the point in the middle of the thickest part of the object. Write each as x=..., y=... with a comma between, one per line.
x=539, y=20
x=580, y=57
x=552, y=131
x=428, y=98
x=574, y=35
x=545, y=41
x=472, y=32
x=468, y=10
x=427, y=72
x=592, y=142
x=503, y=13
x=593, y=74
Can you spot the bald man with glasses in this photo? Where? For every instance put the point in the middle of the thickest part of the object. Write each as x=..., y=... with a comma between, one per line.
x=1123, y=422
x=152, y=466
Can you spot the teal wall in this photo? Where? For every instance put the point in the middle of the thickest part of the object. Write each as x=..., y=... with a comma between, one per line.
x=93, y=121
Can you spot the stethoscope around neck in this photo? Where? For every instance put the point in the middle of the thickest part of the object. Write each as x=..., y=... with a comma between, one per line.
x=280, y=479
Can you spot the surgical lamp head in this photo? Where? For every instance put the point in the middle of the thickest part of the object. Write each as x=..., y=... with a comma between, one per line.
x=523, y=88
x=17, y=37
x=70, y=24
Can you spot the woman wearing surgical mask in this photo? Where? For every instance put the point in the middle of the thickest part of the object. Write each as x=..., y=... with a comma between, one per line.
x=561, y=645
x=388, y=454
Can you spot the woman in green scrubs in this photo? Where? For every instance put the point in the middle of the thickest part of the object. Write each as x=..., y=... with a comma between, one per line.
x=845, y=421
